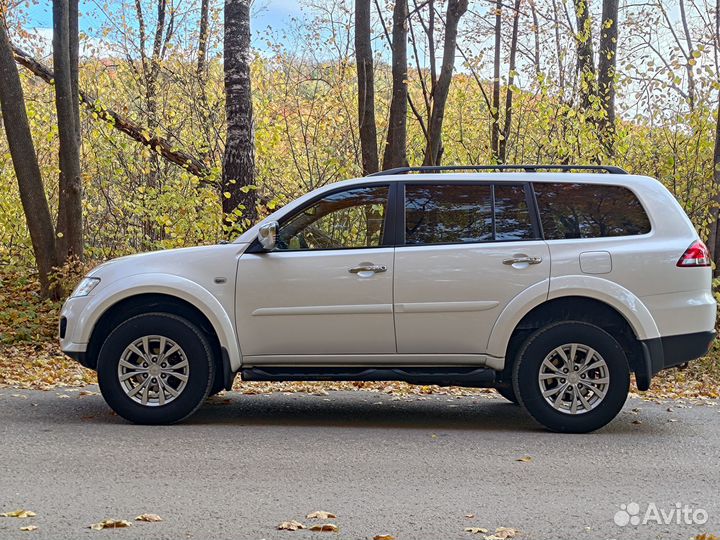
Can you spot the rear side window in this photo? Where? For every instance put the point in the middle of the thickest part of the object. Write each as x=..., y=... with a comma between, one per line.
x=448, y=213
x=589, y=211
x=465, y=213
x=512, y=217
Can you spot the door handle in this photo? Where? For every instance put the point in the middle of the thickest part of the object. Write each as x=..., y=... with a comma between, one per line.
x=375, y=268
x=515, y=259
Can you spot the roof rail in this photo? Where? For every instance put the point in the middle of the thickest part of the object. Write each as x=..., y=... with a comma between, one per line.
x=610, y=169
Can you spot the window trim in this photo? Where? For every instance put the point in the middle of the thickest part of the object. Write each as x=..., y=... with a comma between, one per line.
x=388, y=226
x=529, y=201
x=533, y=194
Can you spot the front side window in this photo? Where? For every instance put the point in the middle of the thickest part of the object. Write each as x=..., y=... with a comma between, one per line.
x=346, y=219
x=589, y=211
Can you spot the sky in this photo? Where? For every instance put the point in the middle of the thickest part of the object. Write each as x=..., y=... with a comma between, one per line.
x=275, y=13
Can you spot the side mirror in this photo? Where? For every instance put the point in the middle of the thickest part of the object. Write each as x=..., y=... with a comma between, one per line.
x=267, y=235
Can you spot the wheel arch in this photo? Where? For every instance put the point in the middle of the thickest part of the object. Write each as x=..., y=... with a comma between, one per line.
x=627, y=325
x=176, y=295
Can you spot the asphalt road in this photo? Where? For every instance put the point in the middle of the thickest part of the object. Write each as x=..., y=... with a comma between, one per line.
x=411, y=467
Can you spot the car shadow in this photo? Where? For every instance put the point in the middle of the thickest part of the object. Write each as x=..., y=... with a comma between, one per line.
x=359, y=409
x=382, y=411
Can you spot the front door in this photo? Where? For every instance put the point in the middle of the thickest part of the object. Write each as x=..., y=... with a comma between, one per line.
x=467, y=250
x=326, y=290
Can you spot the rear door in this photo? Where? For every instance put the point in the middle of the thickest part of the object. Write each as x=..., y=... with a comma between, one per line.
x=464, y=250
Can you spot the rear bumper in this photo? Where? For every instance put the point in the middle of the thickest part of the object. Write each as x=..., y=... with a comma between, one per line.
x=670, y=351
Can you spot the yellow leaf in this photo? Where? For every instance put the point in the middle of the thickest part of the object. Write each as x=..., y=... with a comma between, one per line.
x=475, y=530
x=524, y=459
x=226, y=194
x=19, y=514
x=291, y=525
x=383, y=537
x=325, y=527
x=320, y=514
x=150, y=518
x=110, y=524
x=29, y=528
x=502, y=533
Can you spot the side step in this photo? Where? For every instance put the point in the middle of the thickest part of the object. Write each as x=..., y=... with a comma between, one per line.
x=473, y=377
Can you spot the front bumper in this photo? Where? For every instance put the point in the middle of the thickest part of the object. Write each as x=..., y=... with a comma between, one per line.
x=670, y=351
x=72, y=318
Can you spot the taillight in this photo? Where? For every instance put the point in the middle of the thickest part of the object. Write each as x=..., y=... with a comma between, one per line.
x=696, y=255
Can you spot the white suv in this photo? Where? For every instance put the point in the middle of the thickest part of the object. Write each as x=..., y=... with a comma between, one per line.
x=550, y=286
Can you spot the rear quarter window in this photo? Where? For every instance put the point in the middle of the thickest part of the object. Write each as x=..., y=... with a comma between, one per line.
x=589, y=211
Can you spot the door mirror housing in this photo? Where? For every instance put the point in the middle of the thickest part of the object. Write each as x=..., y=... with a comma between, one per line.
x=267, y=235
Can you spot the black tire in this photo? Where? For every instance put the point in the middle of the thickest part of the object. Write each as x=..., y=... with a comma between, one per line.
x=194, y=345
x=218, y=385
x=542, y=343
x=508, y=392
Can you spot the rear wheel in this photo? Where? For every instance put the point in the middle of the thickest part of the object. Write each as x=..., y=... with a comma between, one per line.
x=571, y=377
x=155, y=368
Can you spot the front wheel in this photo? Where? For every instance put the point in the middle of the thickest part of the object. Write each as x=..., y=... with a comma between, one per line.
x=155, y=368
x=572, y=377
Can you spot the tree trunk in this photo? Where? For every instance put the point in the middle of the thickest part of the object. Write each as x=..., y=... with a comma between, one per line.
x=714, y=237
x=65, y=57
x=433, y=151
x=606, y=74
x=585, y=61
x=395, y=154
x=714, y=240
x=366, y=88
x=25, y=163
x=238, y=175
x=558, y=46
x=536, y=36
x=203, y=38
x=511, y=80
x=495, y=111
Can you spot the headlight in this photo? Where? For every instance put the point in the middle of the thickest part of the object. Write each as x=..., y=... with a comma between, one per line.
x=86, y=286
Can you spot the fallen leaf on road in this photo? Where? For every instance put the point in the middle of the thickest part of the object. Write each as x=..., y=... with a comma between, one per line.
x=476, y=530
x=525, y=459
x=110, y=524
x=325, y=527
x=321, y=515
x=637, y=421
x=150, y=518
x=21, y=396
x=469, y=516
x=88, y=393
x=383, y=537
x=291, y=525
x=19, y=514
x=502, y=533
x=29, y=528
